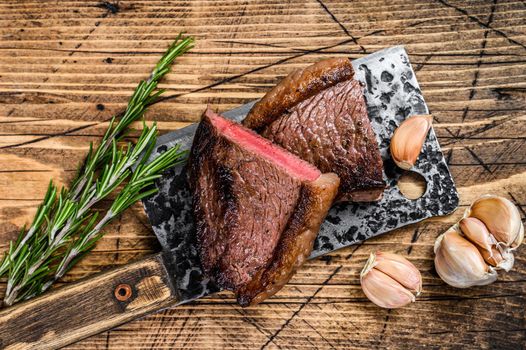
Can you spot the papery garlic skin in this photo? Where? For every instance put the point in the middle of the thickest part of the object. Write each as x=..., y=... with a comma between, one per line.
x=501, y=217
x=408, y=139
x=459, y=263
x=502, y=256
x=388, y=279
x=494, y=253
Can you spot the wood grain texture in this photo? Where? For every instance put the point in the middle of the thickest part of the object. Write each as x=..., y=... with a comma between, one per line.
x=89, y=307
x=66, y=67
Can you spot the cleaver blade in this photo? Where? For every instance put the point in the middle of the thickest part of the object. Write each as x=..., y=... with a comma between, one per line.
x=392, y=94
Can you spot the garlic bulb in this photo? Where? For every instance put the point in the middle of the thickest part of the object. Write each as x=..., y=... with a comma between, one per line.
x=459, y=263
x=501, y=217
x=495, y=254
x=470, y=252
x=408, y=139
x=388, y=280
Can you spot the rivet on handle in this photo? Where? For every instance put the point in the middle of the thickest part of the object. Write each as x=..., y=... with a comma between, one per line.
x=123, y=292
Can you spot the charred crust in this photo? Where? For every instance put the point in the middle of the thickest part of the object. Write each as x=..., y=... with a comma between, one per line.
x=200, y=149
x=224, y=181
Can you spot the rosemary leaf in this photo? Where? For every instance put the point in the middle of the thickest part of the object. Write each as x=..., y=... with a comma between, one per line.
x=66, y=226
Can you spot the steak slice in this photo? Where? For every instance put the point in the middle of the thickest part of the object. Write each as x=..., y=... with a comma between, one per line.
x=326, y=125
x=254, y=203
x=296, y=241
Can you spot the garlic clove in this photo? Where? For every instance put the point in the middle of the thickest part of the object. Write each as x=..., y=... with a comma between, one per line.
x=400, y=269
x=501, y=217
x=459, y=263
x=384, y=291
x=520, y=237
x=492, y=257
x=477, y=233
x=408, y=139
x=501, y=257
x=387, y=279
x=493, y=253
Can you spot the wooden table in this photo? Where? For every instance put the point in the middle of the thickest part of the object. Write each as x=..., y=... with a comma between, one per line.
x=67, y=66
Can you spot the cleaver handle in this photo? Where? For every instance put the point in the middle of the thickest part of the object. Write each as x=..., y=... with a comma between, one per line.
x=88, y=307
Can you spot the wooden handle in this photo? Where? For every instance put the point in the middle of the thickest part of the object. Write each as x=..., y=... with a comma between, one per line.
x=88, y=307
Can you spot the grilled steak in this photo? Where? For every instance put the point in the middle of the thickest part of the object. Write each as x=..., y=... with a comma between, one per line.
x=257, y=207
x=320, y=115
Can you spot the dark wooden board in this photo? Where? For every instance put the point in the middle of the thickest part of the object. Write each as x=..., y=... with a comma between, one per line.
x=66, y=67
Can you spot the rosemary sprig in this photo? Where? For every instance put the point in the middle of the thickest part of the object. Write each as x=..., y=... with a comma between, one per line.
x=143, y=96
x=65, y=226
x=139, y=187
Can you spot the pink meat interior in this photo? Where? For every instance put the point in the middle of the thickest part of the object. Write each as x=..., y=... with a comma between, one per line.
x=252, y=142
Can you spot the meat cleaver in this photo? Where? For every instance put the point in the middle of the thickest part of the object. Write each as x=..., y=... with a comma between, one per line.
x=174, y=276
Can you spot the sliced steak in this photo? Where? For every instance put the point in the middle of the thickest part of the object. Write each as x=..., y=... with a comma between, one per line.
x=329, y=128
x=254, y=203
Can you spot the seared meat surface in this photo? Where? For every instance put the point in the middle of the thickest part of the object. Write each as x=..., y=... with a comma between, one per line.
x=296, y=242
x=330, y=128
x=255, y=204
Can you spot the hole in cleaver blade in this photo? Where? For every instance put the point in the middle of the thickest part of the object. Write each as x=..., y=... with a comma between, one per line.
x=392, y=94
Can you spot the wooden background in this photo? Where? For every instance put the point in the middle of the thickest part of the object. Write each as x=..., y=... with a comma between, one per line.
x=67, y=66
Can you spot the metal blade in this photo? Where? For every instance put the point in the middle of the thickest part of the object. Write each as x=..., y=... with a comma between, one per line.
x=392, y=94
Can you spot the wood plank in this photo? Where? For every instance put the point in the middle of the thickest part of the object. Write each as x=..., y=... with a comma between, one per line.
x=66, y=67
